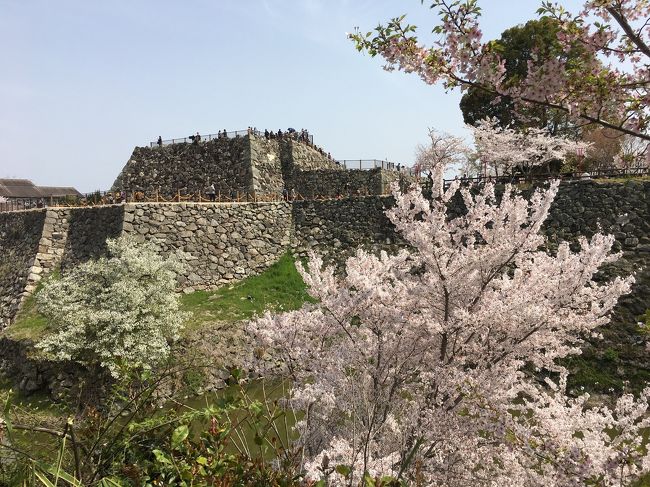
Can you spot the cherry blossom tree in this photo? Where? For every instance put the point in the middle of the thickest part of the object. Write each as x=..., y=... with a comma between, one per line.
x=633, y=154
x=425, y=365
x=601, y=74
x=504, y=150
x=443, y=151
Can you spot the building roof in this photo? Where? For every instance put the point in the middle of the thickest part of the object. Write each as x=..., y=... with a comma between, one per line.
x=19, y=188
x=58, y=191
x=24, y=188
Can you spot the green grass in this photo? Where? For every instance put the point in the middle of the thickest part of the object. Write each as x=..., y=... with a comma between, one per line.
x=29, y=324
x=622, y=180
x=279, y=288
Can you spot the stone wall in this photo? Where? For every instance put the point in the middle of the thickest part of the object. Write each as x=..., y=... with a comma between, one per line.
x=88, y=229
x=189, y=168
x=51, y=246
x=329, y=183
x=332, y=183
x=20, y=234
x=336, y=228
x=249, y=165
x=306, y=158
x=267, y=167
x=622, y=210
x=217, y=243
x=221, y=243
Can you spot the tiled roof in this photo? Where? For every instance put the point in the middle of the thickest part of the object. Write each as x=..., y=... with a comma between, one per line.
x=24, y=188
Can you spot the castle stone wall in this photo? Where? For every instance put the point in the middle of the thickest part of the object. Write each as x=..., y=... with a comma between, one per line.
x=217, y=243
x=220, y=243
x=329, y=183
x=20, y=234
x=336, y=228
x=189, y=168
x=306, y=158
x=267, y=170
x=621, y=210
x=88, y=229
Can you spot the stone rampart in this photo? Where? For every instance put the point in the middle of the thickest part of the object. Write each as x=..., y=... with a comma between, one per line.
x=332, y=183
x=267, y=166
x=189, y=168
x=248, y=165
x=20, y=234
x=337, y=228
x=621, y=210
x=216, y=243
x=329, y=183
x=223, y=242
x=88, y=229
x=306, y=158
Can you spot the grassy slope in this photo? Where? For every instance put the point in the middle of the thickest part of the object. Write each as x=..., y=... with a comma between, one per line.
x=279, y=288
x=29, y=324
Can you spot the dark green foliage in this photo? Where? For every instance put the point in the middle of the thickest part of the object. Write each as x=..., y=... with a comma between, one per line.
x=517, y=46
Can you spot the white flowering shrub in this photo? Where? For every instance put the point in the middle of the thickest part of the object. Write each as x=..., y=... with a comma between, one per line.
x=419, y=365
x=120, y=311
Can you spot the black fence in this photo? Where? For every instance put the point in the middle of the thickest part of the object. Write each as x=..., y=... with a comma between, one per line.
x=296, y=135
x=571, y=176
x=367, y=164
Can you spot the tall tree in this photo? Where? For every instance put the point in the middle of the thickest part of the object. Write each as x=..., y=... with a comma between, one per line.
x=606, y=84
x=518, y=46
x=443, y=150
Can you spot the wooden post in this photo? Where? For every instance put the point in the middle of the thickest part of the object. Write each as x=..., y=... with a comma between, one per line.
x=178, y=195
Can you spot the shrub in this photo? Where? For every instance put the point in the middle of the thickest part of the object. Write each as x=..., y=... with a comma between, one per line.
x=120, y=311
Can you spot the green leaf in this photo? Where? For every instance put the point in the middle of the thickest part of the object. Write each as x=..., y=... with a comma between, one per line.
x=202, y=461
x=59, y=473
x=108, y=482
x=161, y=457
x=44, y=480
x=343, y=470
x=179, y=435
x=258, y=439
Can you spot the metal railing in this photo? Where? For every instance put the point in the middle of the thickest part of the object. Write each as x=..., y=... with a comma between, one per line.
x=297, y=135
x=368, y=164
x=571, y=176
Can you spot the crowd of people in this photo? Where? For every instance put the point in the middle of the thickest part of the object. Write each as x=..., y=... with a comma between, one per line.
x=301, y=135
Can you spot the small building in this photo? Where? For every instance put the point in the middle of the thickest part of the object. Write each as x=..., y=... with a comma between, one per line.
x=22, y=194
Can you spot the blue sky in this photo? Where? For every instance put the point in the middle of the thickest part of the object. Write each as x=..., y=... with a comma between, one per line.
x=84, y=81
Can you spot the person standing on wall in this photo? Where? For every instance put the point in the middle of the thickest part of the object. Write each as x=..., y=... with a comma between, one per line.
x=212, y=193
x=159, y=142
